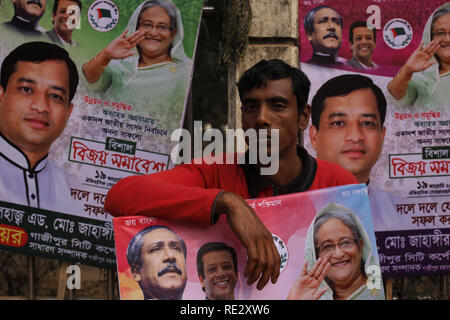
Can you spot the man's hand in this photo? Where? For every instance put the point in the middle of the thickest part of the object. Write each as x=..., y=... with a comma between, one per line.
x=263, y=257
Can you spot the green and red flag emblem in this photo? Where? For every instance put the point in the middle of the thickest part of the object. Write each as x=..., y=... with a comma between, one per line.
x=104, y=13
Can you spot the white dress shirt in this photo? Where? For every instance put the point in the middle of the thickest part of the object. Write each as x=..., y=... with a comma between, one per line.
x=46, y=186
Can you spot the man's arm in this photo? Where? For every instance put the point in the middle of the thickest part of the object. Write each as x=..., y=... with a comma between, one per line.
x=192, y=193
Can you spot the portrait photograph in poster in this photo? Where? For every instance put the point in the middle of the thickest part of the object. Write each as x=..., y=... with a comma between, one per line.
x=84, y=102
x=161, y=259
x=380, y=108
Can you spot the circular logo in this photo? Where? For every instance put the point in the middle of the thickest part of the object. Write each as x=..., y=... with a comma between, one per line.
x=103, y=15
x=397, y=33
x=282, y=250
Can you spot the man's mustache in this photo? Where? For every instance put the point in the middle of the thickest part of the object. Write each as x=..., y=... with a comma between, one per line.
x=38, y=2
x=171, y=267
x=331, y=35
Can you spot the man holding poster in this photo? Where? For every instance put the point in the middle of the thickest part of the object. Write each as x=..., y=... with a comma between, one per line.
x=274, y=96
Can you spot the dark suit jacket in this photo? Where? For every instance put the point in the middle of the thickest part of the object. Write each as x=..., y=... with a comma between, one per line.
x=54, y=37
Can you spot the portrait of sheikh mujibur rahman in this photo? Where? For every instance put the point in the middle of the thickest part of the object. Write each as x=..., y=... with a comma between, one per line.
x=157, y=258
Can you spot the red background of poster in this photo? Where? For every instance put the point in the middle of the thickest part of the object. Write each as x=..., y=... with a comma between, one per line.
x=415, y=12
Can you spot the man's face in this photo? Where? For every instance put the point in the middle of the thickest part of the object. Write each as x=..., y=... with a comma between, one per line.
x=326, y=36
x=363, y=43
x=61, y=16
x=274, y=106
x=29, y=9
x=220, y=276
x=350, y=132
x=35, y=106
x=162, y=274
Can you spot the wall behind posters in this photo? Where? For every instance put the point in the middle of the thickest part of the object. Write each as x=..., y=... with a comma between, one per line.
x=409, y=183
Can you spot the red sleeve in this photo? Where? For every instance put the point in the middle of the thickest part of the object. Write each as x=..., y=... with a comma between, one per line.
x=185, y=193
x=330, y=175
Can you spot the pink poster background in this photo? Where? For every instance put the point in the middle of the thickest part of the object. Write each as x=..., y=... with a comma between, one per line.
x=288, y=217
x=413, y=11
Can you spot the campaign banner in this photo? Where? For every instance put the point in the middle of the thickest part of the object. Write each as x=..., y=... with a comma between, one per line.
x=401, y=46
x=161, y=259
x=62, y=151
x=54, y=235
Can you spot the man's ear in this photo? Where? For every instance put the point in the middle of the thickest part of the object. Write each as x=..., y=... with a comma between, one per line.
x=53, y=18
x=2, y=93
x=309, y=37
x=303, y=119
x=136, y=275
x=313, y=136
x=70, y=110
x=202, y=282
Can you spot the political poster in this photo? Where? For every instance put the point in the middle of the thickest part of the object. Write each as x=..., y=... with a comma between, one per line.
x=380, y=108
x=161, y=259
x=60, y=149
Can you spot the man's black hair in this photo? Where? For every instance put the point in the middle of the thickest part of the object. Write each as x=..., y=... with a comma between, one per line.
x=210, y=247
x=275, y=69
x=308, y=23
x=342, y=86
x=39, y=52
x=360, y=24
x=55, y=5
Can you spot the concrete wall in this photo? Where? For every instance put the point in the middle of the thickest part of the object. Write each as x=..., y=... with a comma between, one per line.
x=273, y=34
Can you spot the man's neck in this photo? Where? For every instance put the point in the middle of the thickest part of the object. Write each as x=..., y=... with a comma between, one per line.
x=32, y=23
x=66, y=36
x=289, y=168
x=34, y=157
x=367, y=62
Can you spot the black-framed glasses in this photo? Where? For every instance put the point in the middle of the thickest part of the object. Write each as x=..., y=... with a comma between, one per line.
x=441, y=34
x=159, y=27
x=345, y=244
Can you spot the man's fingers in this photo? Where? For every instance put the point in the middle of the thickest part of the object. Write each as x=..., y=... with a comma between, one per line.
x=276, y=264
x=272, y=267
x=260, y=263
x=251, y=259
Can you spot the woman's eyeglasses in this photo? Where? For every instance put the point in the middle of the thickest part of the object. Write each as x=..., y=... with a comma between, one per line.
x=159, y=27
x=345, y=244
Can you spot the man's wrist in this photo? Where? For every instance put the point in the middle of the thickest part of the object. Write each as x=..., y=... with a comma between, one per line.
x=224, y=204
